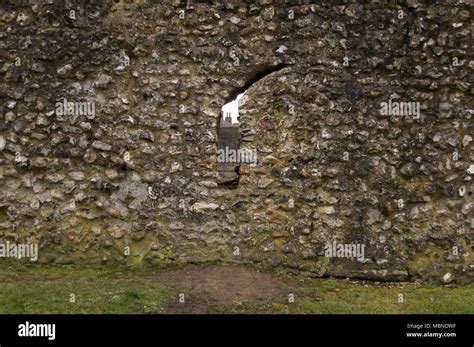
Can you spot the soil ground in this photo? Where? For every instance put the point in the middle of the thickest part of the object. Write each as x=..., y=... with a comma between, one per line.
x=223, y=289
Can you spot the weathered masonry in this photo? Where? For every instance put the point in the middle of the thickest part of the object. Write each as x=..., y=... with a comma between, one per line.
x=138, y=180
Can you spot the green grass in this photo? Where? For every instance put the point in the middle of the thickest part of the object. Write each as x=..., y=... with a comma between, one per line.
x=358, y=299
x=44, y=289
x=341, y=297
x=114, y=289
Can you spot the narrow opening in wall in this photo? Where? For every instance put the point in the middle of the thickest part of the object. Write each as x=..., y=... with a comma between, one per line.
x=228, y=133
x=228, y=144
x=232, y=109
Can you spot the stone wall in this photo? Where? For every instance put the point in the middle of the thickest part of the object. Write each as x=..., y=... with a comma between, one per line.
x=136, y=180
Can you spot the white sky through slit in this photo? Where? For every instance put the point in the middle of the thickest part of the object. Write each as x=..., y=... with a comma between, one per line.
x=233, y=108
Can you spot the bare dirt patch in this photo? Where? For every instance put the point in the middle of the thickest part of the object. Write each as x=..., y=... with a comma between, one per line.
x=217, y=288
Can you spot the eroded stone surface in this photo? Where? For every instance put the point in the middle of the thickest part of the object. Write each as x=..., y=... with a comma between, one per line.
x=141, y=172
